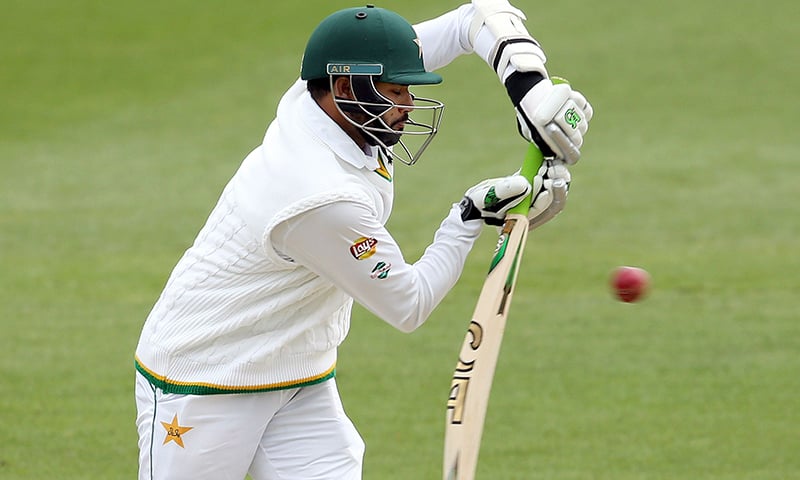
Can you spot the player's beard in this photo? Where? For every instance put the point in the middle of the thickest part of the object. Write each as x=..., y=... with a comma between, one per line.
x=380, y=138
x=390, y=139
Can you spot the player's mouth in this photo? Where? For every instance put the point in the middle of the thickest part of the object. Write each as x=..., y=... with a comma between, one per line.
x=400, y=124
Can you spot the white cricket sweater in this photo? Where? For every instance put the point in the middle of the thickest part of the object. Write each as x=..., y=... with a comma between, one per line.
x=262, y=298
x=237, y=316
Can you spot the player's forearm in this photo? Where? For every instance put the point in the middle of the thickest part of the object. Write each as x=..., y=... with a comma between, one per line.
x=345, y=244
x=410, y=292
x=440, y=267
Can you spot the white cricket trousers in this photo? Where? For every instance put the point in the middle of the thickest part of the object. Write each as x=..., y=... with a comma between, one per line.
x=296, y=434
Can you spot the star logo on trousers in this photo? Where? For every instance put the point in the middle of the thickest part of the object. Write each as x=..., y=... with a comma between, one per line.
x=175, y=431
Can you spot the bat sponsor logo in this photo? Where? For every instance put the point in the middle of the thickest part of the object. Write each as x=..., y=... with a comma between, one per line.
x=502, y=243
x=380, y=271
x=363, y=248
x=508, y=286
x=461, y=378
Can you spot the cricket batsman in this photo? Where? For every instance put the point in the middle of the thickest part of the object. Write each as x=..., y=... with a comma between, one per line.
x=236, y=362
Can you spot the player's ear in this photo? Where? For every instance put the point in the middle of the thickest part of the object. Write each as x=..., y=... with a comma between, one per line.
x=342, y=88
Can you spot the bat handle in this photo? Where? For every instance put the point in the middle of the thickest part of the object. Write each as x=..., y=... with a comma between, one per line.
x=533, y=160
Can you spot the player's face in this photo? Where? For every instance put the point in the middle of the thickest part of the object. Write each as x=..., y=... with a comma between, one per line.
x=402, y=97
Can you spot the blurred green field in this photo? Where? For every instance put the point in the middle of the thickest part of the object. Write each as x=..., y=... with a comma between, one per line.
x=121, y=122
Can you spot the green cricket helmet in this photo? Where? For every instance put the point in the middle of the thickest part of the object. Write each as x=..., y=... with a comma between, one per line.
x=368, y=45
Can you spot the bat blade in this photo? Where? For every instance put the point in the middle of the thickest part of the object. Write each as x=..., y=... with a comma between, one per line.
x=474, y=372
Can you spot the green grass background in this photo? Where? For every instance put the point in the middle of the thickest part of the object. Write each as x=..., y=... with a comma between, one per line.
x=120, y=122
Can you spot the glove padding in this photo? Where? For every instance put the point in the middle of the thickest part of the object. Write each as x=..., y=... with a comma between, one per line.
x=507, y=46
x=550, y=188
x=491, y=199
x=553, y=116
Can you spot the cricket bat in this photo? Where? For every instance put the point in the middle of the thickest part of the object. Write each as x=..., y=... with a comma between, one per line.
x=472, y=379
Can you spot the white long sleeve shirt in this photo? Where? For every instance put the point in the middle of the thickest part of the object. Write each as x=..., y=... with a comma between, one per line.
x=262, y=298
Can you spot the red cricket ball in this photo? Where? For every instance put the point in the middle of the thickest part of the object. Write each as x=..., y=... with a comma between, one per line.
x=630, y=284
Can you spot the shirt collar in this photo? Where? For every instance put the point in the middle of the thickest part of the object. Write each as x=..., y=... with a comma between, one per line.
x=331, y=134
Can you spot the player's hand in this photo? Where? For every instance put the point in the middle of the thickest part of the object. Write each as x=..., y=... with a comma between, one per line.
x=550, y=188
x=491, y=199
x=553, y=116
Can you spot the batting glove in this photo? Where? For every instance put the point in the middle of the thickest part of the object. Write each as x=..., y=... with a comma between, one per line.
x=491, y=199
x=550, y=188
x=553, y=116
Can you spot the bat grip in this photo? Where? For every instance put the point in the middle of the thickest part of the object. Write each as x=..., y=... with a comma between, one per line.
x=533, y=160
